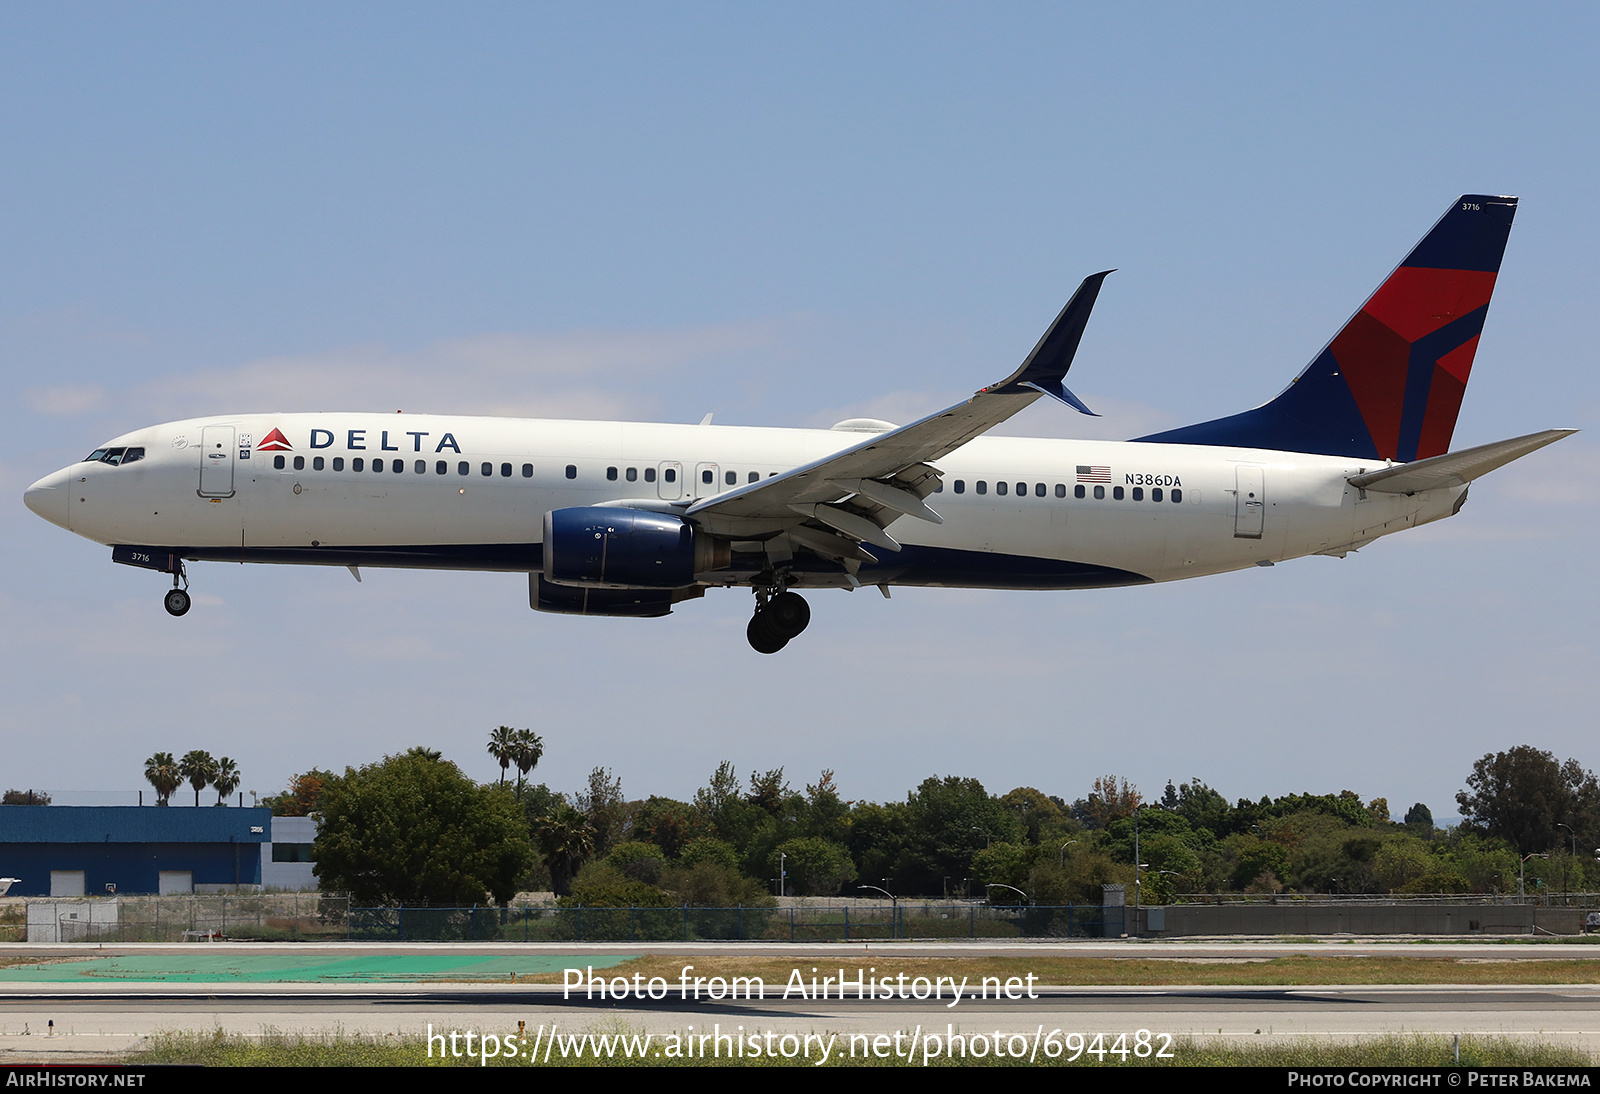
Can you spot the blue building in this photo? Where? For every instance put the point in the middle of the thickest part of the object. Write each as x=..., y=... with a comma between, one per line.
x=57, y=850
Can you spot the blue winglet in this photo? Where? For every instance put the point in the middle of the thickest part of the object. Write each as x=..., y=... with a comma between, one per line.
x=1045, y=369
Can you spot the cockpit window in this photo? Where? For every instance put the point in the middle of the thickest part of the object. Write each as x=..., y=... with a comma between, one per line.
x=114, y=456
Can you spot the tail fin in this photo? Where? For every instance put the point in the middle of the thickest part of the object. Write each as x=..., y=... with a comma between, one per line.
x=1390, y=383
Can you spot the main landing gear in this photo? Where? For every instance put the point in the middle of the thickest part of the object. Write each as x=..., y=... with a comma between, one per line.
x=177, y=600
x=779, y=617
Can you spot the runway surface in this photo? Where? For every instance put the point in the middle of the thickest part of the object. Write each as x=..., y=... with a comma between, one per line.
x=405, y=990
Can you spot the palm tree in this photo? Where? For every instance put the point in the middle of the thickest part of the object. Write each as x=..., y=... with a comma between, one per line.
x=503, y=747
x=226, y=780
x=199, y=768
x=421, y=752
x=529, y=750
x=162, y=772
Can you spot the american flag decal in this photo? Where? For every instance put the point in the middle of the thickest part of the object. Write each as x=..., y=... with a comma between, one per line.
x=1093, y=474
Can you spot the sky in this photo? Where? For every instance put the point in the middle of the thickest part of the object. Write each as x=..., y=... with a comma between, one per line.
x=789, y=216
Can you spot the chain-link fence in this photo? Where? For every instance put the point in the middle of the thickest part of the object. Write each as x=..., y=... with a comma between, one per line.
x=289, y=917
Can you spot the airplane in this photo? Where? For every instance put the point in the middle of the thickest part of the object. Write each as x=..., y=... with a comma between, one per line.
x=632, y=519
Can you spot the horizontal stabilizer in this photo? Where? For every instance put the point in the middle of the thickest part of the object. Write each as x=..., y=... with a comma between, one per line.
x=1454, y=468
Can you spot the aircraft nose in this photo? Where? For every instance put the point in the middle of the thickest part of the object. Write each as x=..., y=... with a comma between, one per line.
x=48, y=498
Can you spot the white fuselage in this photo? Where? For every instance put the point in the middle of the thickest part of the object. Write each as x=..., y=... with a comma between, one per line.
x=471, y=492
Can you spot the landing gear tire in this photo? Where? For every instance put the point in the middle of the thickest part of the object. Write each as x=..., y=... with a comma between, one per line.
x=176, y=601
x=763, y=640
x=787, y=614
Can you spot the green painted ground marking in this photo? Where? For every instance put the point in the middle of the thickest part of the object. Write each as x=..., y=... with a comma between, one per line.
x=293, y=968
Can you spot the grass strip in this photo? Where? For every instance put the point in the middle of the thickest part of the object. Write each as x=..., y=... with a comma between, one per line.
x=275, y=1049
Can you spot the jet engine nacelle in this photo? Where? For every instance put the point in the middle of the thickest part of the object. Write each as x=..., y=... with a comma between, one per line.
x=544, y=596
x=597, y=547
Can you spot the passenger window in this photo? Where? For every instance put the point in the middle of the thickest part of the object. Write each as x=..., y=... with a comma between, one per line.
x=649, y=474
x=505, y=471
x=731, y=478
x=486, y=470
x=1061, y=490
x=939, y=489
x=1022, y=489
x=463, y=468
x=670, y=474
x=706, y=477
x=1138, y=493
x=1038, y=490
x=277, y=462
x=358, y=464
x=527, y=470
x=755, y=476
x=572, y=470
x=632, y=474
x=316, y=463
x=611, y=474
x=1077, y=491
x=982, y=487
x=1116, y=493
x=1099, y=493
x=338, y=463
x=441, y=468
x=1001, y=488
x=421, y=468
x=299, y=463
x=1177, y=495
x=961, y=486
x=377, y=464
x=1155, y=495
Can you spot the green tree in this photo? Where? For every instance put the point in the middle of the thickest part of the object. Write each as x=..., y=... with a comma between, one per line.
x=226, y=780
x=1521, y=795
x=199, y=769
x=415, y=830
x=565, y=838
x=161, y=771
x=299, y=798
x=527, y=751
x=503, y=747
x=815, y=866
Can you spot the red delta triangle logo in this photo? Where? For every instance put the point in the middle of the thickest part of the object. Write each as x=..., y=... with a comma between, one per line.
x=275, y=442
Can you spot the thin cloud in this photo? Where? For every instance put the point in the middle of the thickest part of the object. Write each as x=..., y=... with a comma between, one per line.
x=591, y=373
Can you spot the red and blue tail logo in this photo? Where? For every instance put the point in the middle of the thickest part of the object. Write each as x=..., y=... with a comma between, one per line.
x=1389, y=385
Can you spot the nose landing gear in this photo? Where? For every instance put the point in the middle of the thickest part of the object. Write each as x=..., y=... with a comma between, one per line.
x=177, y=601
x=778, y=618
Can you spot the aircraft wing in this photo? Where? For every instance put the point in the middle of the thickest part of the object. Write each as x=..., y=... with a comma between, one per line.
x=831, y=504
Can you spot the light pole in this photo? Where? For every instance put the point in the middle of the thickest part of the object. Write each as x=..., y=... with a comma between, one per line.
x=894, y=906
x=1520, y=866
x=1013, y=888
x=1061, y=859
x=1574, y=855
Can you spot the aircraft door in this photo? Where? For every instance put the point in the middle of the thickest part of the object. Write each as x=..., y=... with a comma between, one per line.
x=216, y=461
x=1249, y=501
x=705, y=480
x=669, y=481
